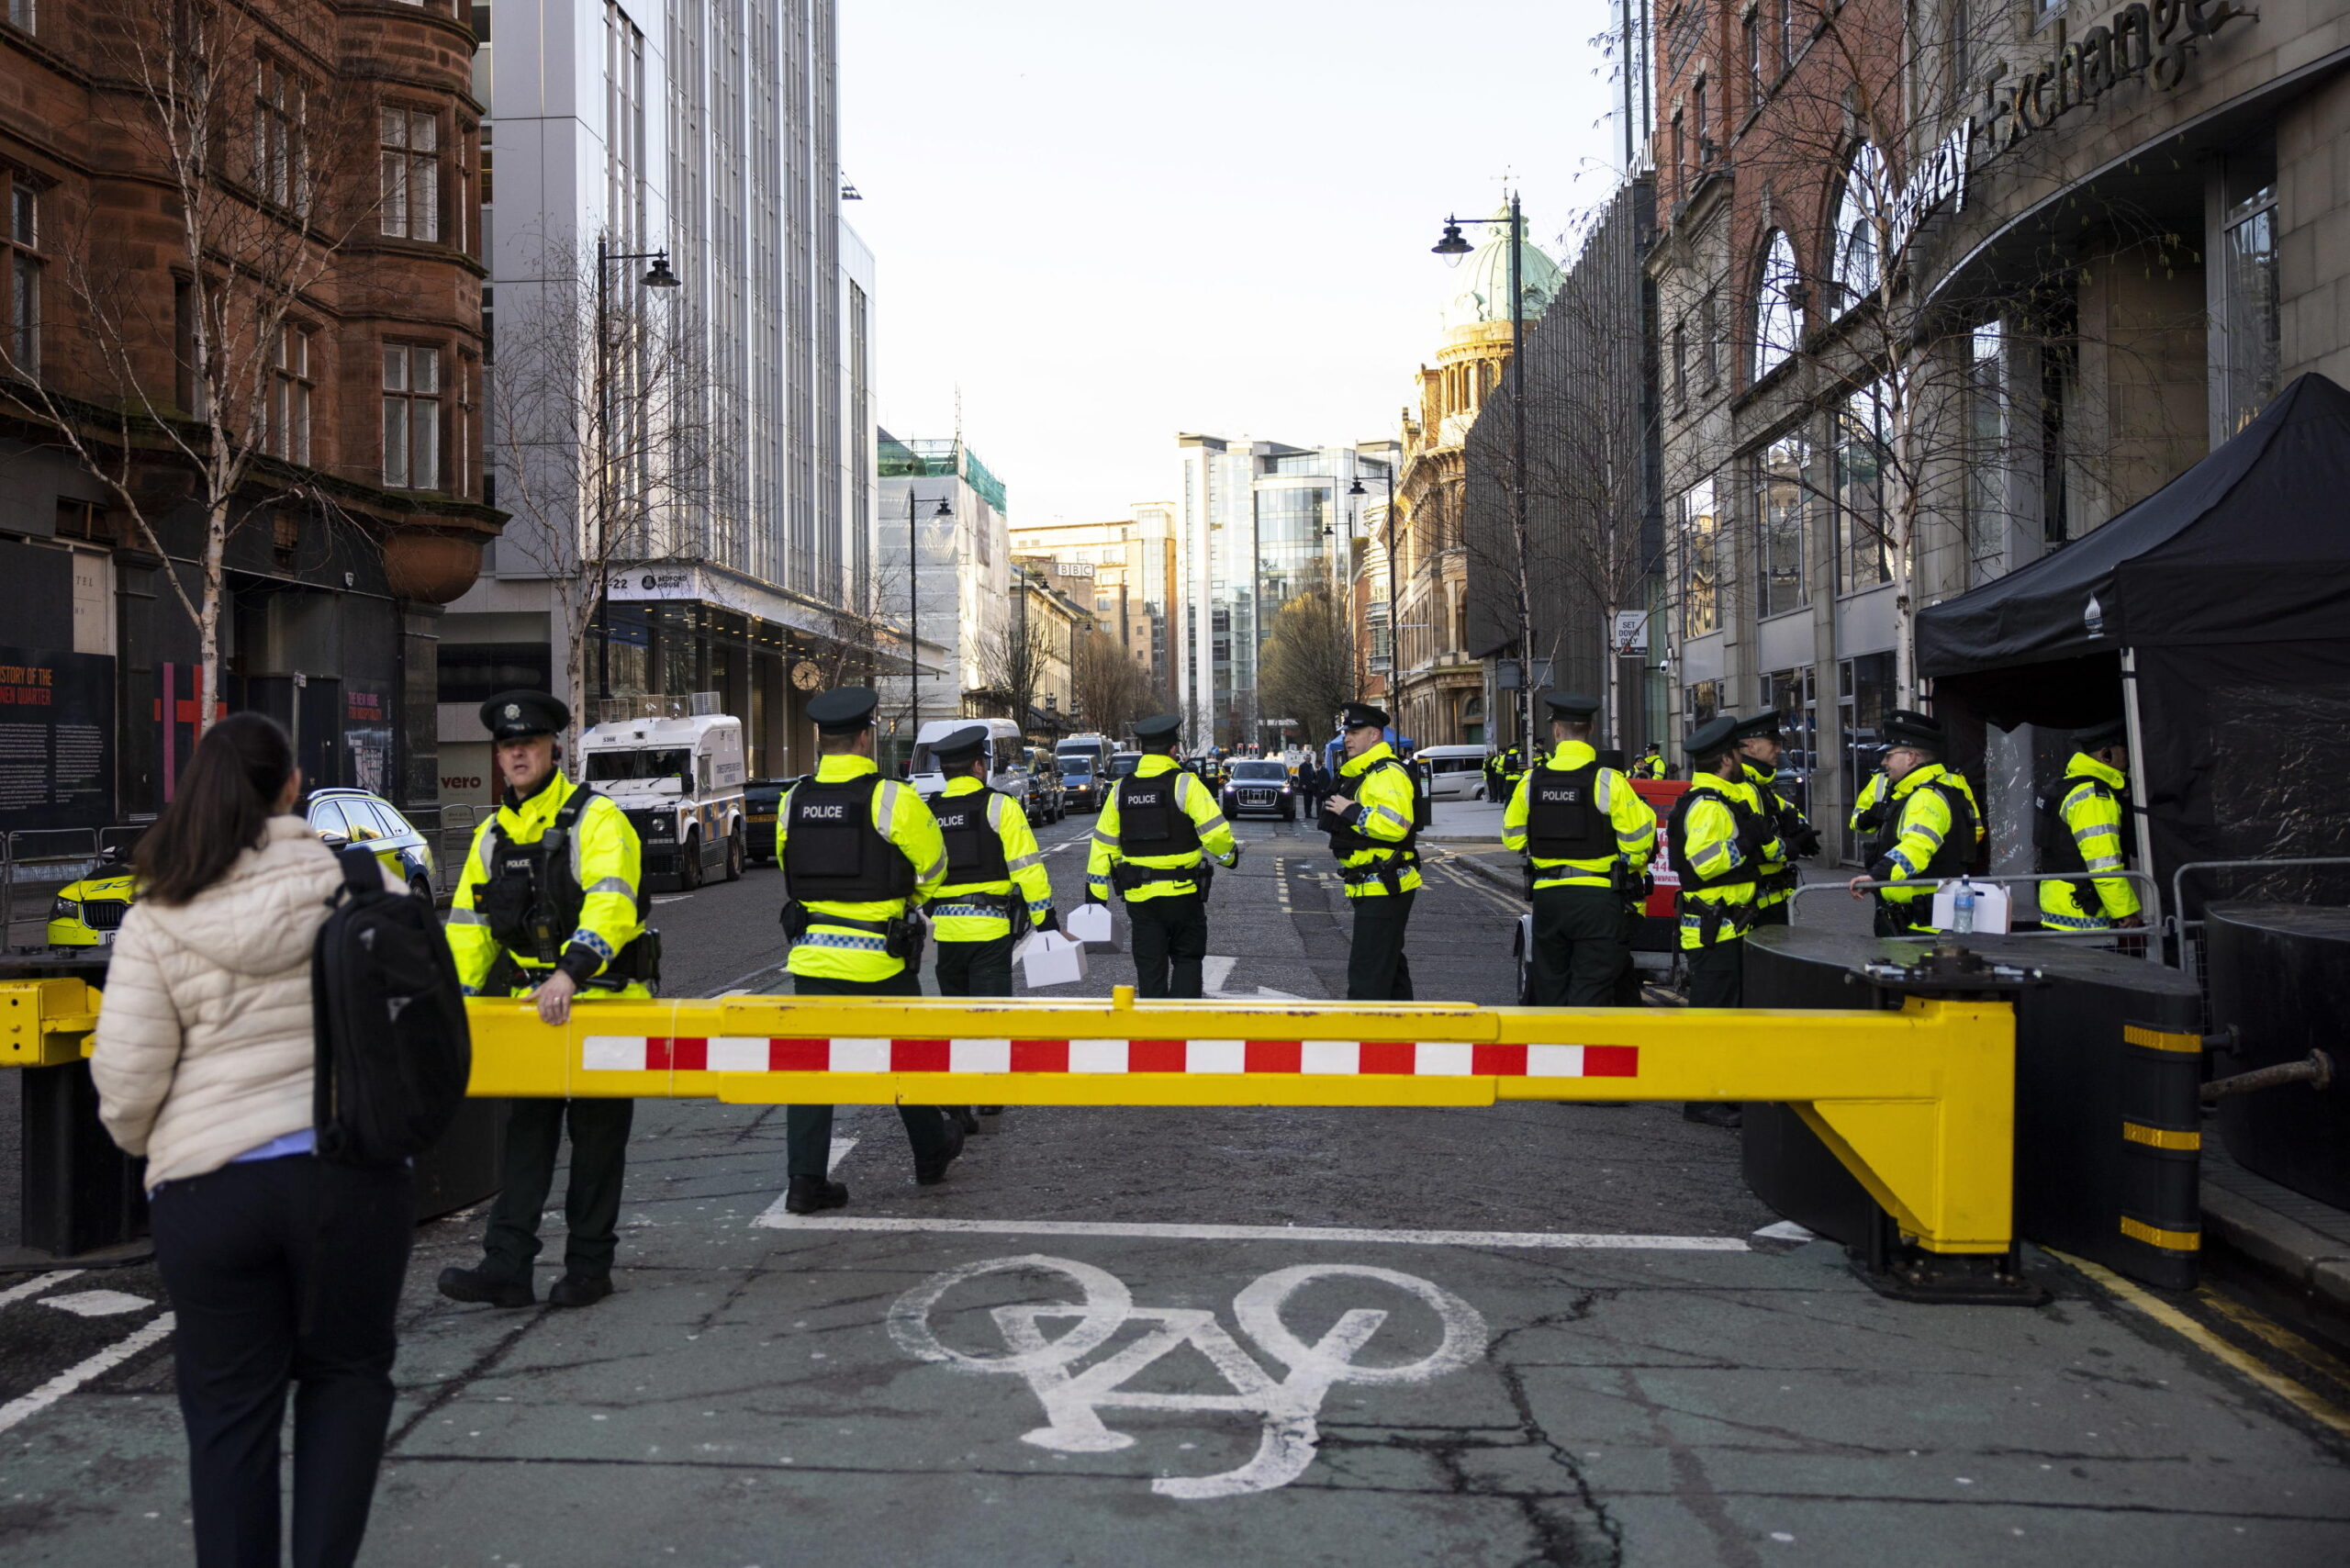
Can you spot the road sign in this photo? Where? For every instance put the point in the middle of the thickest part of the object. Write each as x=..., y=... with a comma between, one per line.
x=1631, y=631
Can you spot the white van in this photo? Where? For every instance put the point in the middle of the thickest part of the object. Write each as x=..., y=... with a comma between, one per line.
x=1456, y=772
x=679, y=780
x=1007, y=755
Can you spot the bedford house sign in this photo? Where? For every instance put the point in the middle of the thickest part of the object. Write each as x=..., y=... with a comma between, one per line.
x=652, y=582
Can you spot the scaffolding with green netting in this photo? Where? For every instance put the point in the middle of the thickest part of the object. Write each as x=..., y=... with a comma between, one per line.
x=941, y=460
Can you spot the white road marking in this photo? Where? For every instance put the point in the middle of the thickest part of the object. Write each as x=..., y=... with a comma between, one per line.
x=1287, y=1410
x=671, y=898
x=1543, y=1240
x=98, y=1304
x=36, y=1285
x=26, y=1407
x=1215, y=971
x=1786, y=1230
x=774, y=1217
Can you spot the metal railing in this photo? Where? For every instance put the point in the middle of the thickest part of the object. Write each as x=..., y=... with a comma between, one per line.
x=2191, y=932
x=2152, y=901
x=68, y=854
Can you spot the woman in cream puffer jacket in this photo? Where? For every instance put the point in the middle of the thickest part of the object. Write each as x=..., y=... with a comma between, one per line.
x=204, y=1043
x=283, y=1270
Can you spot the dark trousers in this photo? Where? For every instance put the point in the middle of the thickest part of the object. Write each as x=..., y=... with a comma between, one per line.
x=808, y=1129
x=1171, y=936
x=1377, y=970
x=975, y=968
x=1894, y=920
x=1771, y=915
x=1717, y=974
x=283, y=1270
x=1579, y=948
x=591, y=1203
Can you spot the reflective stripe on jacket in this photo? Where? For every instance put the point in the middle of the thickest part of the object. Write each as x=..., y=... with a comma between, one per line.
x=1921, y=824
x=1709, y=842
x=956, y=921
x=1384, y=801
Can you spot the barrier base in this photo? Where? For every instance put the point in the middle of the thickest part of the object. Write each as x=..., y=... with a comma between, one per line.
x=1899, y=1270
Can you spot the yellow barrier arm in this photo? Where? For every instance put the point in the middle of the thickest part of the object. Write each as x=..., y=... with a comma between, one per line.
x=46, y=1022
x=1918, y=1103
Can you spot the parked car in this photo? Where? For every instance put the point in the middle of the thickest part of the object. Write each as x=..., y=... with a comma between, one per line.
x=1042, y=797
x=1259, y=784
x=87, y=914
x=761, y=798
x=1456, y=772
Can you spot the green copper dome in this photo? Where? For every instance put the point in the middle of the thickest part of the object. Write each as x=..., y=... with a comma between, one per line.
x=1480, y=286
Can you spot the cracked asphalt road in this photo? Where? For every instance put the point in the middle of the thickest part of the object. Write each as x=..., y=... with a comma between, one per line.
x=1649, y=1388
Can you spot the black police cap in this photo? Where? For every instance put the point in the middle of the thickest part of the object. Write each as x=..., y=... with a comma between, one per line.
x=1572, y=705
x=1159, y=728
x=1363, y=716
x=963, y=747
x=843, y=710
x=512, y=715
x=1710, y=739
x=2096, y=737
x=1765, y=726
x=1906, y=726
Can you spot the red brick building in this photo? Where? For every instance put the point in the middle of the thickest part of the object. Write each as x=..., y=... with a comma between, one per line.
x=339, y=235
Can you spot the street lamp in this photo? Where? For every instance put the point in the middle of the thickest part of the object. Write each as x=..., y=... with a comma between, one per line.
x=657, y=276
x=1452, y=246
x=913, y=615
x=1394, y=647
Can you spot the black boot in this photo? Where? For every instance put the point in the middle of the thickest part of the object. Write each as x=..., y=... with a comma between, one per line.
x=807, y=1194
x=580, y=1289
x=962, y=1117
x=931, y=1173
x=482, y=1285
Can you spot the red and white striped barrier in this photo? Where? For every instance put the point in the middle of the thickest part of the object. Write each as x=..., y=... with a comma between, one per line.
x=1409, y=1058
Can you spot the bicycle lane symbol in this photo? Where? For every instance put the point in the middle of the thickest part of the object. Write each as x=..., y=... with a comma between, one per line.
x=1287, y=1408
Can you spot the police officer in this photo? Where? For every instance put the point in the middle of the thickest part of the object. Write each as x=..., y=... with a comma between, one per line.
x=977, y=914
x=1374, y=831
x=1150, y=843
x=550, y=905
x=2079, y=829
x=1649, y=764
x=1719, y=840
x=859, y=853
x=1758, y=748
x=1930, y=826
x=1869, y=805
x=1588, y=839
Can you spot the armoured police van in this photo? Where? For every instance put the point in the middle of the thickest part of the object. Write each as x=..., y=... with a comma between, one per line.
x=679, y=780
x=1007, y=755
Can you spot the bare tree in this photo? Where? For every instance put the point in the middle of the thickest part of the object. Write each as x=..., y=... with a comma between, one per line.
x=1108, y=687
x=1014, y=657
x=265, y=178
x=601, y=430
x=1305, y=669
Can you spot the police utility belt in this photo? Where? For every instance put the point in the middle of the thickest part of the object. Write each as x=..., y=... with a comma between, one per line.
x=901, y=935
x=532, y=904
x=1126, y=876
x=1389, y=872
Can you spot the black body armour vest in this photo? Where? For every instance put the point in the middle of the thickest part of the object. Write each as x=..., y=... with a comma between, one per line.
x=2059, y=850
x=1957, y=850
x=533, y=898
x=974, y=850
x=1347, y=840
x=831, y=851
x=1563, y=821
x=1150, y=822
x=1676, y=853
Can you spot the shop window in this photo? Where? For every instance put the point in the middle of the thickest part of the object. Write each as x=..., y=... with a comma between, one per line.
x=412, y=416
x=1788, y=693
x=1863, y=693
x=2249, y=305
x=409, y=185
x=1779, y=479
x=1778, y=288
x=1699, y=530
x=1700, y=702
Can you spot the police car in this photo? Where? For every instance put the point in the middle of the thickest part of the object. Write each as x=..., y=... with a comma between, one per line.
x=679, y=781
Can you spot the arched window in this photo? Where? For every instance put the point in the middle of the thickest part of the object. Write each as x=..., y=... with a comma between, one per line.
x=1778, y=324
x=1857, y=269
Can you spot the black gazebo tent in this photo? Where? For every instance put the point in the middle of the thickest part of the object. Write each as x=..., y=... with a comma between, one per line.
x=2215, y=616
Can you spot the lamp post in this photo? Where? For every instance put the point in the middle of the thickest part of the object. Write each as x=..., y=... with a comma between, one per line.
x=657, y=276
x=1394, y=646
x=913, y=615
x=1452, y=246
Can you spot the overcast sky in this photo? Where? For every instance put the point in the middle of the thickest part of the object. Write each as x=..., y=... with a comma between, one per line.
x=1104, y=222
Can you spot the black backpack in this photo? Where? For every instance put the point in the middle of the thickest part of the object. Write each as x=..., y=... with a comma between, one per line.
x=394, y=1049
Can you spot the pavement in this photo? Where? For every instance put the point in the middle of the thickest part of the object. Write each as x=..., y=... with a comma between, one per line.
x=1526, y=1334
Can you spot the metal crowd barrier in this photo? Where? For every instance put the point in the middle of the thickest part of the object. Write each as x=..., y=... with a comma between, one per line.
x=2151, y=902
x=74, y=863
x=2191, y=932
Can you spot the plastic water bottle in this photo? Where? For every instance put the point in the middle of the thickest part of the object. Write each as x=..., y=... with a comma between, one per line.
x=1962, y=909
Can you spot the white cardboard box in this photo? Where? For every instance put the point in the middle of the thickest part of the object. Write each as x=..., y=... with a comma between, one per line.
x=1090, y=922
x=1047, y=957
x=1990, y=906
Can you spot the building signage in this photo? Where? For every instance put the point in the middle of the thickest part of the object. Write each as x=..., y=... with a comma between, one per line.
x=1631, y=631
x=640, y=582
x=56, y=739
x=1939, y=179
x=2142, y=39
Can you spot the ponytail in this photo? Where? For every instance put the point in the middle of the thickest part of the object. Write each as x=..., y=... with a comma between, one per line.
x=221, y=809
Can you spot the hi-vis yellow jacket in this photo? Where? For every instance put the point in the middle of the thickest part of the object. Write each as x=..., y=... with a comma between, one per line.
x=1384, y=801
x=1631, y=817
x=840, y=952
x=1198, y=803
x=954, y=921
x=2093, y=816
x=607, y=861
